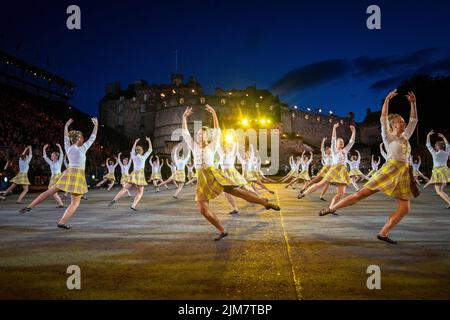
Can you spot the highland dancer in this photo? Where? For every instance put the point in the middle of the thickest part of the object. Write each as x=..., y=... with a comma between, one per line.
x=327, y=161
x=304, y=173
x=416, y=169
x=212, y=182
x=137, y=177
x=294, y=169
x=375, y=165
x=257, y=173
x=73, y=179
x=156, y=176
x=21, y=179
x=110, y=176
x=179, y=175
x=55, y=162
x=355, y=174
x=338, y=173
x=395, y=177
x=192, y=176
x=125, y=165
x=441, y=173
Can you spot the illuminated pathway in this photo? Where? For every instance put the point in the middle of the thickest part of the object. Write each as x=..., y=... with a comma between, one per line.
x=166, y=251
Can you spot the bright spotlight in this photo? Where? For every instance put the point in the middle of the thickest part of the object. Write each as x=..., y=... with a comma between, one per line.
x=263, y=121
x=245, y=122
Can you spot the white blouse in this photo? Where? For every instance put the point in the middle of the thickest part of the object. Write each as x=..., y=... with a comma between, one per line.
x=180, y=163
x=305, y=165
x=397, y=148
x=203, y=157
x=76, y=154
x=227, y=160
x=111, y=167
x=440, y=157
x=55, y=166
x=24, y=165
x=340, y=156
x=125, y=169
x=139, y=159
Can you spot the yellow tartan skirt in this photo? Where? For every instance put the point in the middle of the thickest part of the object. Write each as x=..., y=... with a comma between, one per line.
x=110, y=176
x=156, y=176
x=124, y=178
x=337, y=175
x=303, y=175
x=393, y=179
x=249, y=176
x=179, y=176
x=211, y=182
x=415, y=173
x=138, y=178
x=235, y=176
x=440, y=175
x=191, y=175
x=372, y=172
x=323, y=171
x=21, y=179
x=355, y=172
x=72, y=180
x=54, y=179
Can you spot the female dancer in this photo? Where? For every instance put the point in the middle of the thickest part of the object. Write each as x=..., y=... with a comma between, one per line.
x=192, y=176
x=294, y=169
x=441, y=173
x=247, y=168
x=111, y=166
x=125, y=165
x=256, y=173
x=73, y=179
x=179, y=175
x=212, y=182
x=21, y=178
x=416, y=169
x=137, y=177
x=355, y=174
x=156, y=177
x=304, y=173
x=394, y=178
x=375, y=165
x=382, y=152
x=327, y=161
x=338, y=173
x=55, y=162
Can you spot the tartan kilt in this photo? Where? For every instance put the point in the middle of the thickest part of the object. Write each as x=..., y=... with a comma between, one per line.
x=440, y=175
x=393, y=179
x=372, y=172
x=415, y=173
x=72, y=180
x=337, y=175
x=191, y=175
x=110, y=176
x=54, y=179
x=21, y=179
x=179, y=176
x=323, y=171
x=303, y=175
x=124, y=179
x=235, y=176
x=156, y=176
x=355, y=172
x=249, y=176
x=211, y=183
x=138, y=178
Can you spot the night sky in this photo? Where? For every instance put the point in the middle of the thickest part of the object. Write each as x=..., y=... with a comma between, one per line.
x=318, y=54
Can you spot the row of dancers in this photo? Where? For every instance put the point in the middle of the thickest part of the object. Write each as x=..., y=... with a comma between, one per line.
x=395, y=178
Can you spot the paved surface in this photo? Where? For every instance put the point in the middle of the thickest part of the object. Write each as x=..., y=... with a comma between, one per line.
x=166, y=251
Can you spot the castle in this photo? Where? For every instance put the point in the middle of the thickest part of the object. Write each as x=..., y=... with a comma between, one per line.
x=157, y=110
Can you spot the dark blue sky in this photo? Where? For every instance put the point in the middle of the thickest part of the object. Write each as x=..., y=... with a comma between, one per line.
x=311, y=54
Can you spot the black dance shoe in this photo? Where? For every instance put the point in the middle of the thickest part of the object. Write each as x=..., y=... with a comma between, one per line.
x=234, y=212
x=325, y=212
x=24, y=210
x=63, y=226
x=386, y=238
x=221, y=236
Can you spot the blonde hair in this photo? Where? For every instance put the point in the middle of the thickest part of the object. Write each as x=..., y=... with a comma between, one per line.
x=139, y=150
x=391, y=118
x=75, y=136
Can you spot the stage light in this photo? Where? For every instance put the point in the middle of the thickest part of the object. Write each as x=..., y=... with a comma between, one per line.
x=229, y=93
x=163, y=95
x=309, y=109
x=93, y=177
x=320, y=110
x=229, y=138
x=269, y=121
x=193, y=91
x=331, y=112
x=6, y=179
x=260, y=97
x=263, y=121
x=244, y=122
x=295, y=107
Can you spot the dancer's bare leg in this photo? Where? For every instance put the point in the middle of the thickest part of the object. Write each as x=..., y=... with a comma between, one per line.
x=248, y=196
x=311, y=182
x=352, y=199
x=203, y=207
x=44, y=195
x=137, y=198
x=180, y=187
x=124, y=190
x=70, y=209
x=315, y=187
x=10, y=189
x=111, y=185
x=324, y=191
x=23, y=193
x=353, y=179
x=101, y=183
x=128, y=190
x=403, y=207
x=58, y=199
x=440, y=191
x=259, y=183
x=232, y=202
x=340, y=191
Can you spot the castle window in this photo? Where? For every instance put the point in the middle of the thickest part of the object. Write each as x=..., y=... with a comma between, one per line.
x=271, y=108
x=145, y=97
x=293, y=115
x=242, y=102
x=318, y=119
x=142, y=108
x=306, y=116
x=134, y=99
x=256, y=105
x=120, y=107
x=181, y=100
x=330, y=120
x=342, y=121
x=165, y=103
x=163, y=95
x=202, y=100
x=120, y=120
x=222, y=101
